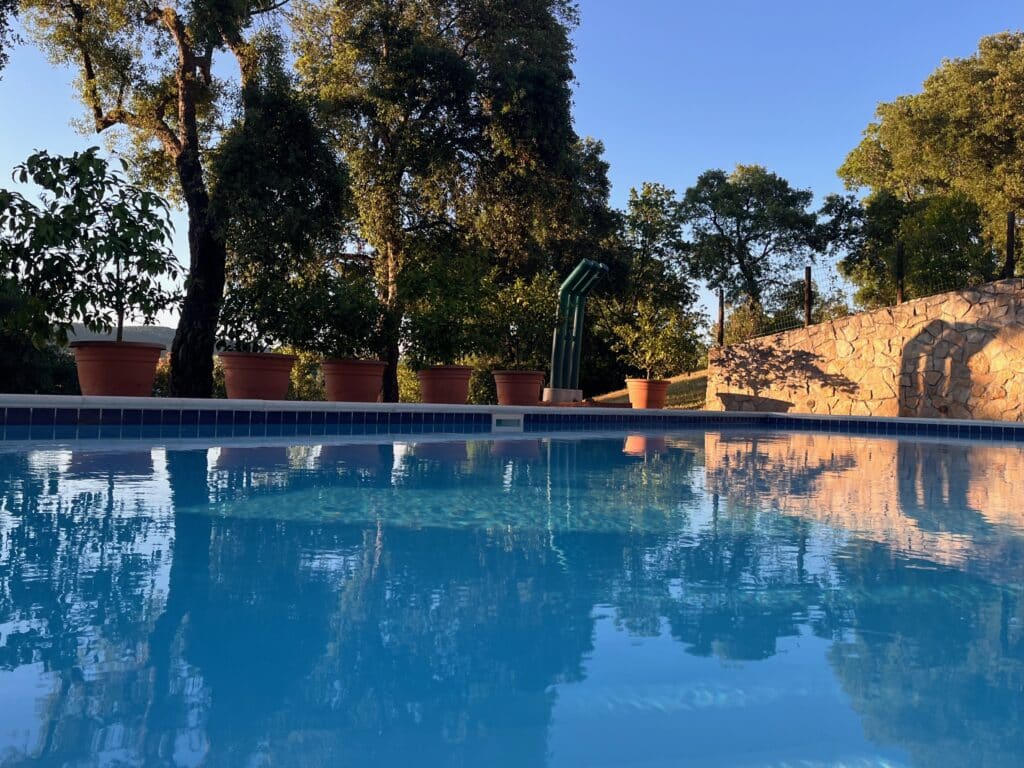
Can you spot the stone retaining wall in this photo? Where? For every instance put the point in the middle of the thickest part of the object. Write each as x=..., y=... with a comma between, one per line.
x=957, y=355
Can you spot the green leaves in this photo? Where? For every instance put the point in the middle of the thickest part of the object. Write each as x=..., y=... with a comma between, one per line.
x=932, y=243
x=520, y=320
x=454, y=118
x=750, y=230
x=963, y=133
x=94, y=249
x=660, y=341
x=650, y=316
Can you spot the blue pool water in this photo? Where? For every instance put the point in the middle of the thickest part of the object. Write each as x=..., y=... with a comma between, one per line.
x=724, y=598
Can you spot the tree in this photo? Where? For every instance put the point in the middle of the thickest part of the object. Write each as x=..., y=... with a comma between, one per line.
x=8, y=10
x=520, y=319
x=280, y=195
x=650, y=320
x=653, y=229
x=660, y=341
x=94, y=249
x=149, y=69
x=893, y=250
x=444, y=323
x=27, y=367
x=750, y=230
x=434, y=103
x=963, y=133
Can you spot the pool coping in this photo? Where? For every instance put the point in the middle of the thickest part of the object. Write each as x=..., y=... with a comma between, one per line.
x=48, y=418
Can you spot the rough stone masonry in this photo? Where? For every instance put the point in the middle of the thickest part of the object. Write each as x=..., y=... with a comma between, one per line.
x=957, y=355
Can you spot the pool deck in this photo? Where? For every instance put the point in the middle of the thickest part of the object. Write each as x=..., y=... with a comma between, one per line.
x=42, y=418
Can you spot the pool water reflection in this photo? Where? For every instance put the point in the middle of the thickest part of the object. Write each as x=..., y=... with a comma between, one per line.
x=728, y=598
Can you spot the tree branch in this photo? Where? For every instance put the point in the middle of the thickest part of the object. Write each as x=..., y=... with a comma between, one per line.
x=119, y=115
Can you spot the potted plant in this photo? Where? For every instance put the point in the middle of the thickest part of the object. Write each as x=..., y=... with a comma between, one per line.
x=658, y=340
x=523, y=314
x=644, y=445
x=94, y=251
x=443, y=324
x=347, y=316
x=248, y=329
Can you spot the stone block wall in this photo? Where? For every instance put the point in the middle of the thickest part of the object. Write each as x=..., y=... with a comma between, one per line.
x=955, y=355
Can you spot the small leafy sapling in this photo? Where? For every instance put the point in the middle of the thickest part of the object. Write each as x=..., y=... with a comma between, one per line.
x=523, y=314
x=659, y=340
x=94, y=249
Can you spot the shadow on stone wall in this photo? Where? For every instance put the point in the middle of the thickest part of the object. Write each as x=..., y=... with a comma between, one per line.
x=941, y=371
x=771, y=368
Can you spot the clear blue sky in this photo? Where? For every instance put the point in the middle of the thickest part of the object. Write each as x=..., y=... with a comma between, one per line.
x=674, y=87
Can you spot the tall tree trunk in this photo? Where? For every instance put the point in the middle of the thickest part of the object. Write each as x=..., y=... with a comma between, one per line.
x=390, y=354
x=192, y=348
x=392, y=324
x=188, y=588
x=750, y=281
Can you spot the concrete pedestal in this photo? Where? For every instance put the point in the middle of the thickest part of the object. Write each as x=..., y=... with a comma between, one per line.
x=553, y=395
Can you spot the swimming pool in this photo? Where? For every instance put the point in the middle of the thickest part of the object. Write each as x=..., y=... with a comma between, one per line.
x=723, y=596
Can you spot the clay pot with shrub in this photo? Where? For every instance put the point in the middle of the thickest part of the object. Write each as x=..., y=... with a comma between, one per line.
x=97, y=252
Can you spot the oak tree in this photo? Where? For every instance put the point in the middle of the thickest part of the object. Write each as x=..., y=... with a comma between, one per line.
x=453, y=117
x=964, y=133
x=147, y=69
x=749, y=230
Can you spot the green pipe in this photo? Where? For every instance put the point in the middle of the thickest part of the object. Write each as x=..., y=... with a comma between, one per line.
x=566, y=346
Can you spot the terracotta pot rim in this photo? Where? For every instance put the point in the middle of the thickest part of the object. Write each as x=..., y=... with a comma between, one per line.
x=652, y=381
x=518, y=372
x=351, y=361
x=446, y=368
x=115, y=344
x=275, y=355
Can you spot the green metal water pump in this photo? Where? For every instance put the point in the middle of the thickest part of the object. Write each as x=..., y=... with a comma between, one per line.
x=566, y=346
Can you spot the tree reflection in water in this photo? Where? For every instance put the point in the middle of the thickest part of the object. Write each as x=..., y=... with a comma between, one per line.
x=394, y=605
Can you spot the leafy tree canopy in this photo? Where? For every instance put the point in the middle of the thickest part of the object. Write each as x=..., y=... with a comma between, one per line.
x=454, y=118
x=520, y=319
x=8, y=9
x=929, y=244
x=95, y=248
x=146, y=71
x=964, y=133
x=650, y=319
x=750, y=230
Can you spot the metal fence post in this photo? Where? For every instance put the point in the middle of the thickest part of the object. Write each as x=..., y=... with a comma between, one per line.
x=808, y=296
x=1010, y=267
x=900, y=272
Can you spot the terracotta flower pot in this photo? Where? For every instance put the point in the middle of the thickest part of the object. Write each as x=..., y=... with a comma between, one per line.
x=445, y=384
x=448, y=451
x=264, y=457
x=122, y=368
x=518, y=387
x=647, y=393
x=516, y=449
x=106, y=463
x=256, y=375
x=642, y=445
x=369, y=456
x=353, y=381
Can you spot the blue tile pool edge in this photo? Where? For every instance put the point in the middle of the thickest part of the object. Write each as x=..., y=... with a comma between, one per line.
x=54, y=417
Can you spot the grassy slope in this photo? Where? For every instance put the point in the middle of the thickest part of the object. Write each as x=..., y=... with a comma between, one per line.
x=685, y=391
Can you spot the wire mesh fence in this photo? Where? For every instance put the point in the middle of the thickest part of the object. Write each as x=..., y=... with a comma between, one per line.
x=822, y=295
